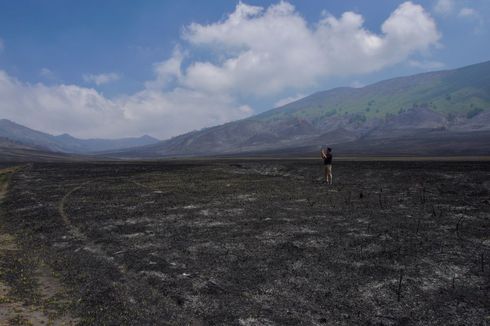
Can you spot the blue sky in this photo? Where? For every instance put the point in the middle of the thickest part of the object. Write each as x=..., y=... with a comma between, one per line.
x=117, y=68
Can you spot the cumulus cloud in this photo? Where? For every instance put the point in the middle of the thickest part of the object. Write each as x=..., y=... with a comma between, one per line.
x=444, y=7
x=264, y=51
x=180, y=110
x=85, y=112
x=167, y=72
x=101, y=79
x=47, y=73
x=288, y=100
x=55, y=109
x=452, y=8
x=254, y=53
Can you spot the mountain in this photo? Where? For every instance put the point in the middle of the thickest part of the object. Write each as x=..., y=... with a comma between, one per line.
x=8, y=143
x=66, y=143
x=12, y=151
x=443, y=112
x=75, y=145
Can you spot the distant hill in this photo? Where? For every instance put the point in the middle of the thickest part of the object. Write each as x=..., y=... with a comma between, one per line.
x=429, y=113
x=66, y=143
x=9, y=143
x=12, y=151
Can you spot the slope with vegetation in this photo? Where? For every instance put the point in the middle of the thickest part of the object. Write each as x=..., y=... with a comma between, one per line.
x=450, y=106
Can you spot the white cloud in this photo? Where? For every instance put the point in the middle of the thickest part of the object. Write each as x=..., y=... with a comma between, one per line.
x=452, y=8
x=468, y=13
x=254, y=53
x=101, y=79
x=473, y=17
x=444, y=7
x=180, y=110
x=426, y=65
x=47, y=74
x=265, y=51
x=288, y=100
x=357, y=84
x=84, y=112
x=168, y=71
x=55, y=109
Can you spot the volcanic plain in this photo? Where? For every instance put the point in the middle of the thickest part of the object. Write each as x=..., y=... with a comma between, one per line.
x=253, y=242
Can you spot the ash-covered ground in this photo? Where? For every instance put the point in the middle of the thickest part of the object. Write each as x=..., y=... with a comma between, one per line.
x=244, y=242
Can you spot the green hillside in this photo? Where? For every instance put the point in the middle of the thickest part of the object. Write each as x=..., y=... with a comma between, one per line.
x=460, y=92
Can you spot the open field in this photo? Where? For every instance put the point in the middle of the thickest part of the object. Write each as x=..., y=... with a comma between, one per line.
x=244, y=242
x=30, y=293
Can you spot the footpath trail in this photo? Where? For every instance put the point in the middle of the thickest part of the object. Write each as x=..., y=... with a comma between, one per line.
x=30, y=292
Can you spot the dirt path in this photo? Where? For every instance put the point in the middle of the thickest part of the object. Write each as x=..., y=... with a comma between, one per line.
x=75, y=232
x=30, y=292
x=61, y=209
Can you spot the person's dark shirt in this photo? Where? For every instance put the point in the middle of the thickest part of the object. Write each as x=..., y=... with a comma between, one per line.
x=328, y=159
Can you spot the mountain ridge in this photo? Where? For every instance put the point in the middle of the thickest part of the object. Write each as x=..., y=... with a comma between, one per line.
x=437, y=112
x=65, y=143
x=451, y=100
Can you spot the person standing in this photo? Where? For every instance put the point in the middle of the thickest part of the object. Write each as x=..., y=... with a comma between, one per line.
x=327, y=161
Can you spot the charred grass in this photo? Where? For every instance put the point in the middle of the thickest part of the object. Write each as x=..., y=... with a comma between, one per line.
x=30, y=293
x=260, y=242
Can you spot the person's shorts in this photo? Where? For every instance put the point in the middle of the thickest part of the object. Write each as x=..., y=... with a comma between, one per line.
x=328, y=168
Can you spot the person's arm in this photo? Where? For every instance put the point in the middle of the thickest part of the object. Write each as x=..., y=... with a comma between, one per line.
x=323, y=153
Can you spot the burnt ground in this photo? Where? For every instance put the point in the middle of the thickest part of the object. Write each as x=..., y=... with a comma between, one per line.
x=30, y=292
x=260, y=242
